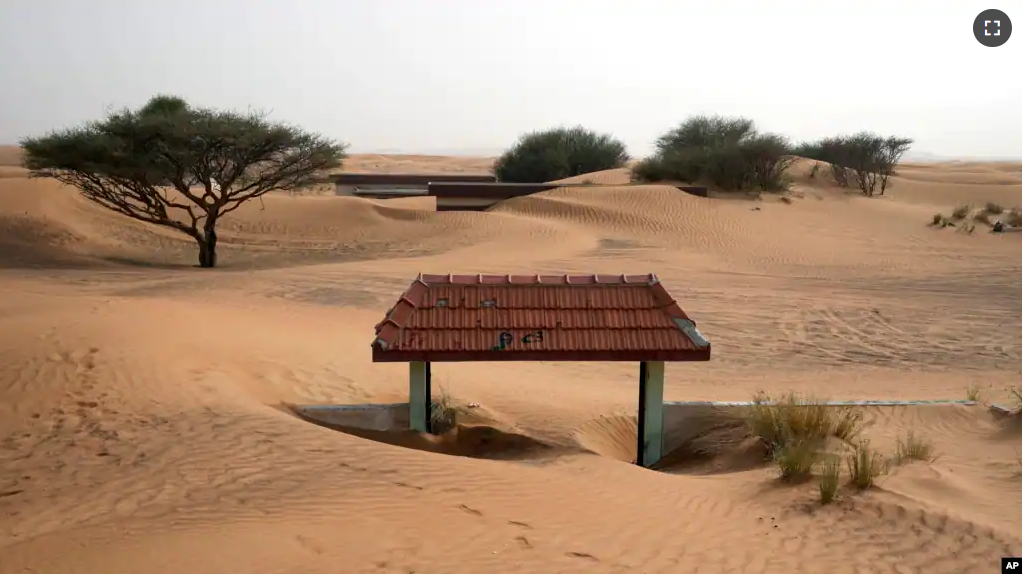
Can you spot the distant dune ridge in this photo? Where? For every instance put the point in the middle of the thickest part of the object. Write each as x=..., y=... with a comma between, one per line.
x=141, y=399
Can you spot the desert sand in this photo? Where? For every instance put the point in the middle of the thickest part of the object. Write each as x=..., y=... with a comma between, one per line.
x=140, y=398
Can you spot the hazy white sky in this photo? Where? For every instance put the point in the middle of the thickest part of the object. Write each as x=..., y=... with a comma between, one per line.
x=471, y=75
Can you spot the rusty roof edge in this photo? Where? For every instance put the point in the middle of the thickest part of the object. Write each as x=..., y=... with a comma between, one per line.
x=688, y=328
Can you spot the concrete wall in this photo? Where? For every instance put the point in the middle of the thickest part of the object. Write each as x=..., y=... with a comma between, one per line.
x=386, y=417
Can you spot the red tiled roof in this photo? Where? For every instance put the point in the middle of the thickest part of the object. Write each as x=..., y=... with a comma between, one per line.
x=538, y=318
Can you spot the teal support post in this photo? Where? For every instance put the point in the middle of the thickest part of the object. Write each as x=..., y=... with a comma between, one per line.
x=419, y=396
x=650, y=418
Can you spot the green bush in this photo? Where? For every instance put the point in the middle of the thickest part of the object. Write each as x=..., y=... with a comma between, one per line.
x=728, y=153
x=553, y=154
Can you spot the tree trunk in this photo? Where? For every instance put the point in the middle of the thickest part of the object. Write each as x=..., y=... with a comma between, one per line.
x=208, y=244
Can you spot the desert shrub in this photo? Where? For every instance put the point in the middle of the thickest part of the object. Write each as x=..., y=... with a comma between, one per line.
x=962, y=211
x=179, y=166
x=559, y=153
x=869, y=159
x=993, y=208
x=1014, y=217
x=827, y=486
x=865, y=465
x=913, y=448
x=982, y=217
x=728, y=153
x=938, y=220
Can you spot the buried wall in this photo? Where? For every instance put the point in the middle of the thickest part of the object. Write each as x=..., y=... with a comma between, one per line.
x=376, y=417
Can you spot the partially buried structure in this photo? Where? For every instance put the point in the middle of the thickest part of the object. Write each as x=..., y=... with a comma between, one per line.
x=458, y=318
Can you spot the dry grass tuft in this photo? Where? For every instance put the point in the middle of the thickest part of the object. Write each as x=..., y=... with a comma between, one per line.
x=973, y=393
x=796, y=459
x=831, y=470
x=865, y=465
x=443, y=413
x=913, y=448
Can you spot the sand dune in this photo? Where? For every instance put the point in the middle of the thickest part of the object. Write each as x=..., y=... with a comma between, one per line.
x=141, y=400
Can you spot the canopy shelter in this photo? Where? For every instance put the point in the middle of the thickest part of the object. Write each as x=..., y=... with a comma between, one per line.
x=457, y=318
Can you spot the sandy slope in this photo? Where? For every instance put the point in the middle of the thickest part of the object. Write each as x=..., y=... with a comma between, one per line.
x=139, y=397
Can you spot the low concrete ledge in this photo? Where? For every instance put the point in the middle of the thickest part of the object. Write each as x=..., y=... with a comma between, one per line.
x=826, y=403
x=1003, y=410
x=378, y=417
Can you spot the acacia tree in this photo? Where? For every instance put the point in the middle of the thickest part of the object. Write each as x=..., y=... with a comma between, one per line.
x=870, y=158
x=179, y=166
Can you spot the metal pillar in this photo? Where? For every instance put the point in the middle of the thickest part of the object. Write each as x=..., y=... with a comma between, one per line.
x=650, y=416
x=419, y=396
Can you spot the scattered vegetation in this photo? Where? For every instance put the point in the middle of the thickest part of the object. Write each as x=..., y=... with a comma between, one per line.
x=865, y=465
x=966, y=216
x=827, y=486
x=796, y=434
x=727, y=153
x=865, y=159
x=559, y=153
x=179, y=166
x=913, y=448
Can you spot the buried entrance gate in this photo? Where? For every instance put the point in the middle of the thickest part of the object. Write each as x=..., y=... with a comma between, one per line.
x=460, y=318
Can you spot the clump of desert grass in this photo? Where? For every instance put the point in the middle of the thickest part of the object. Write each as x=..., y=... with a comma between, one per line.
x=865, y=465
x=973, y=393
x=443, y=413
x=795, y=431
x=913, y=447
x=830, y=474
